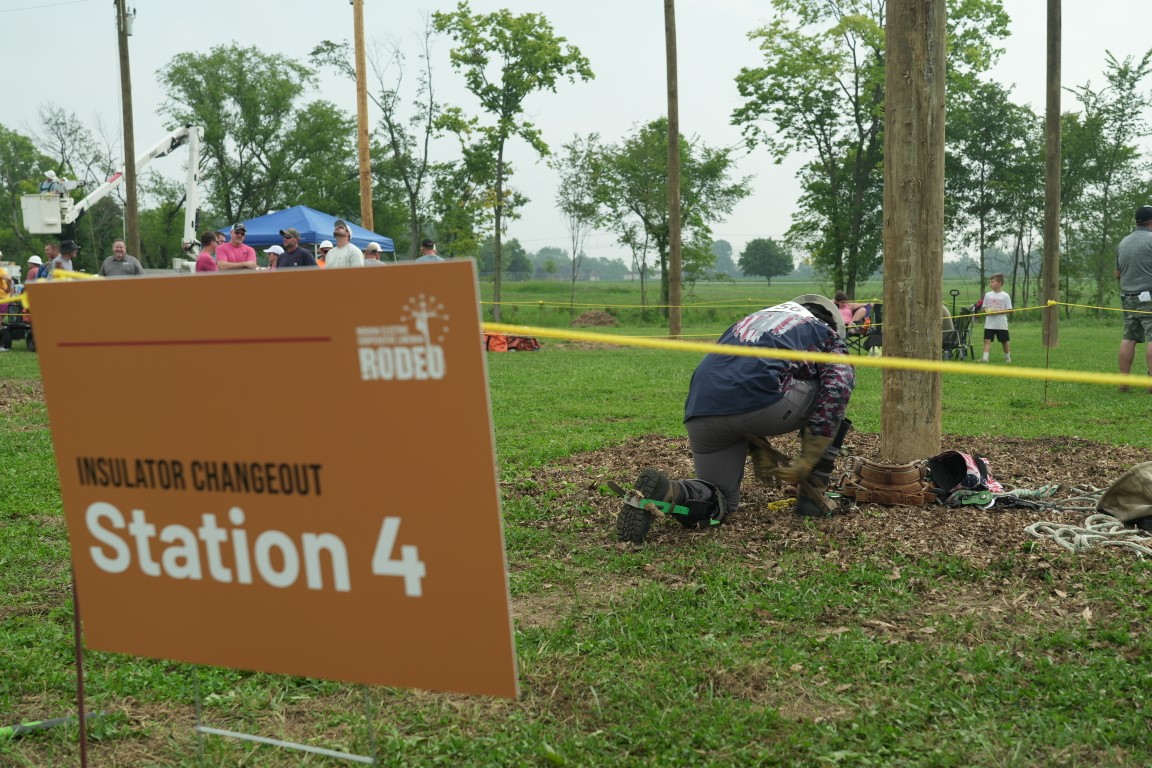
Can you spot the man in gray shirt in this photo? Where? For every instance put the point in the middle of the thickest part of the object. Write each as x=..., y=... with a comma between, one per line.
x=120, y=264
x=1134, y=271
x=428, y=252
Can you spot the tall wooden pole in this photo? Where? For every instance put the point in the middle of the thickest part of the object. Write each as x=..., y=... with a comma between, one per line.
x=1051, y=327
x=910, y=405
x=674, y=269
x=131, y=222
x=366, y=218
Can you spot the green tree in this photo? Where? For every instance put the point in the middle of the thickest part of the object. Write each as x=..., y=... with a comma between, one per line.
x=632, y=186
x=506, y=58
x=517, y=263
x=764, y=257
x=1111, y=125
x=722, y=251
x=576, y=196
x=255, y=160
x=987, y=142
x=551, y=260
x=21, y=167
x=405, y=140
x=820, y=90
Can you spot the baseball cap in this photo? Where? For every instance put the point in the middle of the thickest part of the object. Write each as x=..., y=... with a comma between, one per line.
x=427, y=244
x=1143, y=214
x=35, y=260
x=373, y=246
x=275, y=249
x=290, y=232
x=325, y=244
x=68, y=246
x=338, y=225
x=239, y=227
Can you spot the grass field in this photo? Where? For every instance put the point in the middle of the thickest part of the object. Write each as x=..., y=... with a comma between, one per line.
x=712, y=652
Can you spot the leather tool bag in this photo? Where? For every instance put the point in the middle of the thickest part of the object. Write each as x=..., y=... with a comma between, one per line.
x=889, y=484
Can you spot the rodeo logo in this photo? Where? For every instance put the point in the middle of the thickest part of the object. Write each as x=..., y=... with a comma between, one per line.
x=408, y=351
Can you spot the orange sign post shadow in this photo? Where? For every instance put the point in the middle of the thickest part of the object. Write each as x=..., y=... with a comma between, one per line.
x=289, y=472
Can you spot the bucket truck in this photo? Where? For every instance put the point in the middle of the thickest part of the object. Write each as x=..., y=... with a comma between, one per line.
x=47, y=213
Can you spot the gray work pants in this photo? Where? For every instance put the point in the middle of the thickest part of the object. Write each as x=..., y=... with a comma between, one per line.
x=720, y=444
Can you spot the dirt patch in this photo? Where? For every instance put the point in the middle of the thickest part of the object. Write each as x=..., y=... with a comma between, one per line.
x=16, y=394
x=764, y=527
x=593, y=318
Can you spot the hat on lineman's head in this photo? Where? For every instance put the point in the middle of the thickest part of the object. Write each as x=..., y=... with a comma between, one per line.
x=1144, y=214
x=822, y=305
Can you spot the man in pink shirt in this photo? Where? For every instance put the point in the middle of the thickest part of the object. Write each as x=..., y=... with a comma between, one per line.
x=205, y=262
x=234, y=254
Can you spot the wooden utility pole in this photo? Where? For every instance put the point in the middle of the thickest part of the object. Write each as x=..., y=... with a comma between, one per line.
x=1051, y=327
x=366, y=217
x=131, y=222
x=913, y=226
x=674, y=263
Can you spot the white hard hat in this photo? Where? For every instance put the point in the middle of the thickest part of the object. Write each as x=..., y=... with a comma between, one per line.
x=325, y=244
x=373, y=246
x=828, y=306
x=35, y=260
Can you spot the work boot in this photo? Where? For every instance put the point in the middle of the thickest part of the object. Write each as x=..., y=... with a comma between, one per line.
x=632, y=523
x=811, y=500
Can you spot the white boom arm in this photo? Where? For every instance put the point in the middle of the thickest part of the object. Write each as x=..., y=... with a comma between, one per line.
x=69, y=212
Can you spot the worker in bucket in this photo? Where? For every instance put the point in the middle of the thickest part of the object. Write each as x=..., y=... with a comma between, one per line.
x=735, y=403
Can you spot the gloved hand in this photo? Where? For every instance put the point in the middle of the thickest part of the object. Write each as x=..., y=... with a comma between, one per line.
x=765, y=459
x=812, y=448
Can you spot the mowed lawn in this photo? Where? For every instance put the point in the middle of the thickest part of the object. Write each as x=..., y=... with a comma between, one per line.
x=705, y=651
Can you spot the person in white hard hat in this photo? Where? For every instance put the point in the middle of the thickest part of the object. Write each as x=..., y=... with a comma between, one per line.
x=322, y=252
x=52, y=184
x=34, y=264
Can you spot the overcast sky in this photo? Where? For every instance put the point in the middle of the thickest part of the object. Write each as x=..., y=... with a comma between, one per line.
x=64, y=52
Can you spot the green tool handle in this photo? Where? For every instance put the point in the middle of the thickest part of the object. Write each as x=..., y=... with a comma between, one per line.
x=19, y=729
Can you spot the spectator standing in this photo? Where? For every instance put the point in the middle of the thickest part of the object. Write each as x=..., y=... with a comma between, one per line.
x=372, y=255
x=206, y=261
x=68, y=251
x=322, y=252
x=34, y=264
x=996, y=305
x=121, y=263
x=234, y=254
x=273, y=255
x=1134, y=271
x=344, y=253
x=294, y=255
x=428, y=252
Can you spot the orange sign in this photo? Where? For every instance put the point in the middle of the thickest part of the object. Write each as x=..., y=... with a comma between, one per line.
x=290, y=472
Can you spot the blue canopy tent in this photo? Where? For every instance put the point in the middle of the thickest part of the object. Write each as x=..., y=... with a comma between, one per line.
x=313, y=226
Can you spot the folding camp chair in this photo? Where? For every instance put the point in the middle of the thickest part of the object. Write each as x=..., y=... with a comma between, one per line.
x=858, y=334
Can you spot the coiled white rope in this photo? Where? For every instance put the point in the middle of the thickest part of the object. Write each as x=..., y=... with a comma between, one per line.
x=1097, y=530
